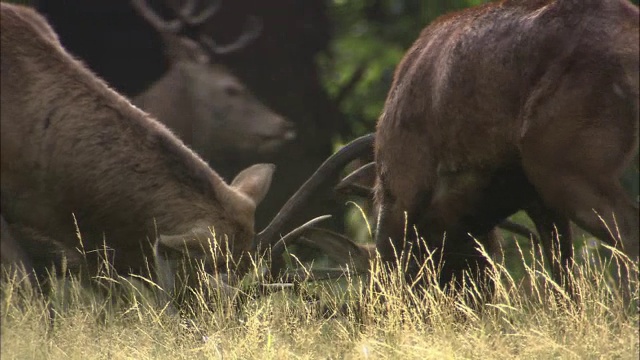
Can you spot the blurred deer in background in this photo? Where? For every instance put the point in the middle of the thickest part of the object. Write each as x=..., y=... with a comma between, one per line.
x=202, y=102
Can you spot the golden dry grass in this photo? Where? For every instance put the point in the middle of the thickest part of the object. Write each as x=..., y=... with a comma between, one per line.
x=372, y=317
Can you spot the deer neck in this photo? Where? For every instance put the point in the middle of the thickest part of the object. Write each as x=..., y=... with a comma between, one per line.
x=166, y=100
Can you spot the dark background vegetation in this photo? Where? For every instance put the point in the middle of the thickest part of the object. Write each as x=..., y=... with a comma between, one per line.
x=324, y=64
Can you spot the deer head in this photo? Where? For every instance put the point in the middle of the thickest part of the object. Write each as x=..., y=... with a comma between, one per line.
x=202, y=101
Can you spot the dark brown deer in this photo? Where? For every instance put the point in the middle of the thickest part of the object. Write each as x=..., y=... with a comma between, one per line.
x=201, y=101
x=78, y=157
x=511, y=105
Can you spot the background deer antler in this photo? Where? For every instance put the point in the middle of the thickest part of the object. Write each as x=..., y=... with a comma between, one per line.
x=188, y=17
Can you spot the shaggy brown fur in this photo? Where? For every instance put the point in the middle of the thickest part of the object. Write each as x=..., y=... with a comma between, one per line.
x=75, y=151
x=511, y=105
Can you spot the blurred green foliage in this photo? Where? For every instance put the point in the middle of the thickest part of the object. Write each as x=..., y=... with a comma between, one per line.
x=370, y=38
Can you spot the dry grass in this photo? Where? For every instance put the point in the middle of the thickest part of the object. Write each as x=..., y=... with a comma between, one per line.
x=373, y=317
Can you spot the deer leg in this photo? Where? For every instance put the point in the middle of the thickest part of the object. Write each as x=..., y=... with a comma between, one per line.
x=598, y=205
x=583, y=183
x=574, y=155
x=464, y=203
x=390, y=235
x=556, y=240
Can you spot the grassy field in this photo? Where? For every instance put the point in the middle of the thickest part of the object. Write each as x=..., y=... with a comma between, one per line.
x=369, y=317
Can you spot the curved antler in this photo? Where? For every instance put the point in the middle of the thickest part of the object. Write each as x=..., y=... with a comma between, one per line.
x=519, y=230
x=338, y=247
x=329, y=169
x=359, y=182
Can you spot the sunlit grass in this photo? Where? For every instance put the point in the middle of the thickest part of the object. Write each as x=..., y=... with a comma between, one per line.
x=376, y=316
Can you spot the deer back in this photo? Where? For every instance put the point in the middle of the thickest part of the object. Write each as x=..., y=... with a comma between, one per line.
x=465, y=92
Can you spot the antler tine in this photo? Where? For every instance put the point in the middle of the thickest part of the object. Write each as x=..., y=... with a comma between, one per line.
x=294, y=234
x=250, y=33
x=330, y=168
x=160, y=24
x=337, y=247
x=186, y=13
x=277, y=263
x=352, y=184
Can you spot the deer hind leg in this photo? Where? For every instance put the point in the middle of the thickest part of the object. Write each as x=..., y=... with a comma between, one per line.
x=619, y=228
x=575, y=146
x=576, y=169
x=556, y=240
x=590, y=197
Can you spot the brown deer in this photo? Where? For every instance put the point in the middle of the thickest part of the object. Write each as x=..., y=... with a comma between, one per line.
x=510, y=105
x=70, y=145
x=77, y=156
x=78, y=160
x=202, y=102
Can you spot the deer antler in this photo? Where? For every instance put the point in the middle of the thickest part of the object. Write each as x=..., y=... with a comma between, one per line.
x=250, y=33
x=328, y=170
x=358, y=182
x=188, y=16
x=185, y=15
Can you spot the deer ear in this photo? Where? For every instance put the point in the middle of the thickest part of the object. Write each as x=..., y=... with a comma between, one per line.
x=179, y=48
x=254, y=181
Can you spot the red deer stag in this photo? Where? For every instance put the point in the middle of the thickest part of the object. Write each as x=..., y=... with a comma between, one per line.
x=75, y=155
x=202, y=102
x=510, y=105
